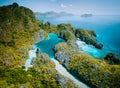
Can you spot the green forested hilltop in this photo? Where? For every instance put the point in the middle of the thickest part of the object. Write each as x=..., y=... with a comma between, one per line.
x=19, y=30
x=17, y=27
x=94, y=72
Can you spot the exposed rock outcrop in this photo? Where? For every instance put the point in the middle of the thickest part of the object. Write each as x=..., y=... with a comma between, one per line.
x=64, y=82
x=112, y=59
x=64, y=50
x=88, y=37
x=66, y=34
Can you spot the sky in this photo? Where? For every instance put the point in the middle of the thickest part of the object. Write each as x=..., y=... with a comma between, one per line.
x=97, y=7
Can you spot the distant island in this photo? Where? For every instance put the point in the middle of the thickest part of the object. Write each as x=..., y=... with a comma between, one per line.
x=52, y=14
x=86, y=15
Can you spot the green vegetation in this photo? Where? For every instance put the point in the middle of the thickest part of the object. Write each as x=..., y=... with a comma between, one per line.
x=67, y=32
x=88, y=37
x=18, y=25
x=42, y=75
x=112, y=59
x=48, y=27
x=67, y=35
x=64, y=50
x=49, y=76
x=92, y=33
x=95, y=72
x=19, y=30
x=63, y=26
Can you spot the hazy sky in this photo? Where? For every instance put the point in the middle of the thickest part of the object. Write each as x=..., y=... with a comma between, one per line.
x=105, y=7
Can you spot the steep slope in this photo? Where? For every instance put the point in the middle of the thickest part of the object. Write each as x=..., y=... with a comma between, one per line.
x=18, y=27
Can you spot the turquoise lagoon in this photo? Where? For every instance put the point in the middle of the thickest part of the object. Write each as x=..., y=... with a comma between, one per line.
x=107, y=29
x=47, y=45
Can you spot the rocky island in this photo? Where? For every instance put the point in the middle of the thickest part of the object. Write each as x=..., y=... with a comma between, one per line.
x=52, y=14
x=86, y=15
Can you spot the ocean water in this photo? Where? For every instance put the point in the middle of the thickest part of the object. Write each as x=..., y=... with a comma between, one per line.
x=106, y=27
x=47, y=45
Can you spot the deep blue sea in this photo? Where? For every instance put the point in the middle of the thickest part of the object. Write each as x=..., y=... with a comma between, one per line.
x=106, y=27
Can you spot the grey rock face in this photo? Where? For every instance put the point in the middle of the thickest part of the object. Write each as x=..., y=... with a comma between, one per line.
x=41, y=33
x=112, y=59
x=87, y=37
x=96, y=67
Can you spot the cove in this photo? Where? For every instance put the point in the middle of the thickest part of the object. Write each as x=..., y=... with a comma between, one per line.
x=91, y=50
x=47, y=45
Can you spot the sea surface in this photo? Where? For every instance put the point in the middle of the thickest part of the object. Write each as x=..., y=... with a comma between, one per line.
x=107, y=28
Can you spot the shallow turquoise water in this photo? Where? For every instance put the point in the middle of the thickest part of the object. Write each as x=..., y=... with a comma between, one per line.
x=47, y=45
x=91, y=50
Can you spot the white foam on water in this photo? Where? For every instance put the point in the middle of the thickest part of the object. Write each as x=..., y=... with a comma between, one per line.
x=89, y=49
x=32, y=54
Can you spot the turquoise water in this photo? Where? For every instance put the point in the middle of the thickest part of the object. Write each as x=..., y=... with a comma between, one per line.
x=47, y=45
x=91, y=50
x=107, y=28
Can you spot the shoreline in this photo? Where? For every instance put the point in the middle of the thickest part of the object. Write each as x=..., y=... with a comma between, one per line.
x=32, y=55
x=91, y=50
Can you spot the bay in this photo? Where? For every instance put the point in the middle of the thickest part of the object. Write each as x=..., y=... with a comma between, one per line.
x=107, y=28
x=48, y=45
